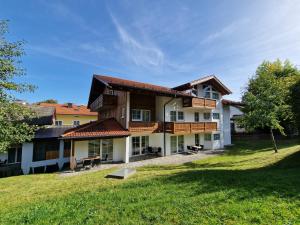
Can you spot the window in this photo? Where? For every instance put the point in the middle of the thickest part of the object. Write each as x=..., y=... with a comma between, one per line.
x=173, y=116
x=146, y=115
x=139, y=145
x=196, y=117
x=111, y=92
x=197, y=139
x=216, y=137
x=177, y=144
x=140, y=115
x=45, y=150
x=58, y=123
x=207, y=137
x=76, y=122
x=94, y=148
x=215, y=95
x=207, y=94
x=206, y=116
x=107, y=149
x=180, y=115
x=136, y=115
x=216, y=116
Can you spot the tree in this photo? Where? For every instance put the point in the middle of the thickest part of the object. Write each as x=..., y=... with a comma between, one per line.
x=53, y=101
x=267, y=98
x=13, y=126
x=295, y=95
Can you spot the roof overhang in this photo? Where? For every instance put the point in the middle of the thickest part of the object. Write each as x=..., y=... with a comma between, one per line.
x=212, y=80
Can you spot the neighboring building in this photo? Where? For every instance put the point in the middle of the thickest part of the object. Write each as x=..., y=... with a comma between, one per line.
x=134, y=115
x=47, y=148
x=235, y=114
x=70, y=114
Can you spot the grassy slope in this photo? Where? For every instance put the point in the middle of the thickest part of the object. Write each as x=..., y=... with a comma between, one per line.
x=249, y=184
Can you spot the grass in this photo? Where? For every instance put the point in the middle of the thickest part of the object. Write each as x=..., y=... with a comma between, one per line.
x=247, y=185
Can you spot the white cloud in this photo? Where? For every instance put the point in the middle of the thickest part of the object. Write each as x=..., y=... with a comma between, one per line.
x=142, y=54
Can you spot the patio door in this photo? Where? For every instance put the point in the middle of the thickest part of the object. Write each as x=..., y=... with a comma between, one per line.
x=107, y=149
x=177, y=144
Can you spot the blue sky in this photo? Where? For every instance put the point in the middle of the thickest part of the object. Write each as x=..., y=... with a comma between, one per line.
x=161, y=42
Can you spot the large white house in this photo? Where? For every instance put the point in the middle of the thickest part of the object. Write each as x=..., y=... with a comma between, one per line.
x=135, y=120
x=133, y=116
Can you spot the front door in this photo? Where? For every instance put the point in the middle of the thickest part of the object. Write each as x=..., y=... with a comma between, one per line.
x=177, y=144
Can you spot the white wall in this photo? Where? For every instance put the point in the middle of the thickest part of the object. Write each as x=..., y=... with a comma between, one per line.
x=226, y=125
x=27, y=156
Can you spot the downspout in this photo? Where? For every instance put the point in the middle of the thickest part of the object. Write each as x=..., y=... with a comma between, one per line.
x=164, y=125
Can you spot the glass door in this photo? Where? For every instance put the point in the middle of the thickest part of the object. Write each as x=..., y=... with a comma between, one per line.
x=173, y=144
x=180, y=141
x=107, y=149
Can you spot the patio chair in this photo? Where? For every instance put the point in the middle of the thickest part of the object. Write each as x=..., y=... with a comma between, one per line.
x=189, y=147
x=87, y=163
x=79, y=164
x=97, y=161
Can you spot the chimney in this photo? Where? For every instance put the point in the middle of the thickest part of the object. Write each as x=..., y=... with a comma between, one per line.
x=70, y=105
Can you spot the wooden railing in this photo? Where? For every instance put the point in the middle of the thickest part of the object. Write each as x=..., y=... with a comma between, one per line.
x=104, y=101
x=199, y=102
x=146, y=127
x=185, y=127
x=52, y=155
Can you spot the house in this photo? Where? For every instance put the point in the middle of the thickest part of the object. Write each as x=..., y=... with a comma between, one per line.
x=70, y=114
x=46, y=148
x=133, y=116
x=235, y=114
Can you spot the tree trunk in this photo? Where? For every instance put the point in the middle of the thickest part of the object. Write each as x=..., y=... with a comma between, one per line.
x=273, y=139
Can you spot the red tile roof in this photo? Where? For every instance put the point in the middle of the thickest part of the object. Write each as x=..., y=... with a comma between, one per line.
x=114, y=81
x=97, y=129
x=64, y=109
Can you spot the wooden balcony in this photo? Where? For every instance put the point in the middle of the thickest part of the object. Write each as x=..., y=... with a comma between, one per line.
x=104, y=101
x=145, y=127
x=186, y=127
x=199, y=103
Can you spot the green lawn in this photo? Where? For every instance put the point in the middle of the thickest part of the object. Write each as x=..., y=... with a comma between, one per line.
x=247, y=185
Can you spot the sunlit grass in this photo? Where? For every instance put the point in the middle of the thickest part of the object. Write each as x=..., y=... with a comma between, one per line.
x=249, y=184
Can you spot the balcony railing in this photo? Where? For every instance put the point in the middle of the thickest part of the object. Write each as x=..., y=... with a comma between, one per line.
x=186, y=127
x=104, y=101
x=145, y=127
x=199, y=103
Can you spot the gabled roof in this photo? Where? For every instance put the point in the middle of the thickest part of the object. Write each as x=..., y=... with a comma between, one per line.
x=98, y=129
x=72, y=109
x=212, y=79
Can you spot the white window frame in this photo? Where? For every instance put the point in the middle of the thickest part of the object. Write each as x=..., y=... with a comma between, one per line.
x=173, y=111
x=178, y=115
x=58, y=121
x=214, y=114
x=141, y=115
x=205, y=137
x=178, y=150
x=76, y=122
x=100, y=144
x=142, y=145
x=198, y=116
x=206, y=114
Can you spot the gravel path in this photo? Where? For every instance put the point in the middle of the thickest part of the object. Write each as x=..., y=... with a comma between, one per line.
x=167, y=160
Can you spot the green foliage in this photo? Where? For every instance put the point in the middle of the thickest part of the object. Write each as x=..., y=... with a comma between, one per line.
x=295, y=95
x=13, y=128
x=53, y=101
x=268, y=97
x=249, y=184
